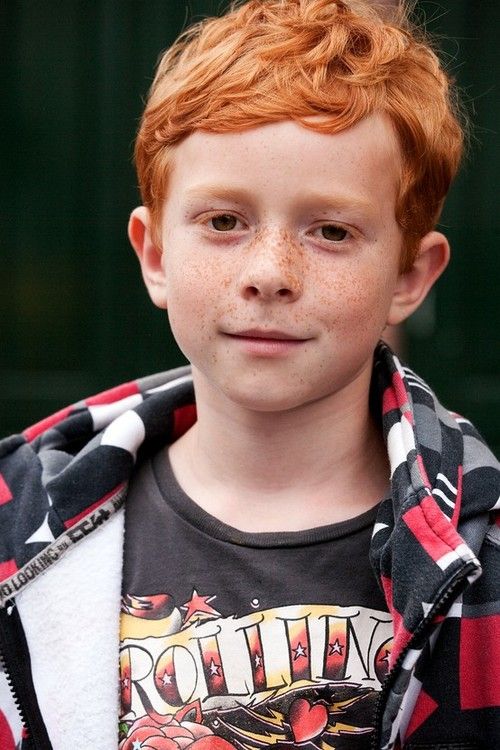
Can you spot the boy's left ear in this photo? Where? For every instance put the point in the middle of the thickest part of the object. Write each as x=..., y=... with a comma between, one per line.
x=413, y=285
x=149, y=255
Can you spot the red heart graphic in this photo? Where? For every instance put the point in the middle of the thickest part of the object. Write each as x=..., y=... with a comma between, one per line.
x=307, y=721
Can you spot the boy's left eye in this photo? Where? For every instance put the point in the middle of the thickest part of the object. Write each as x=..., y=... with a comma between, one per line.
x=223, y=222
x=333, y=232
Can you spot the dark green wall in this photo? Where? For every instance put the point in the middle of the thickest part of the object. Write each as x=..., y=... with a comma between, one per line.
x=454, y=342
x=74, y=317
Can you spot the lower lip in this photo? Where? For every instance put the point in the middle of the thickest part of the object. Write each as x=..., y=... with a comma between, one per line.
x=268, y=347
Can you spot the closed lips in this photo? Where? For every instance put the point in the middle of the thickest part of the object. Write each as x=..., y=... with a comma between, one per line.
x=270, y=335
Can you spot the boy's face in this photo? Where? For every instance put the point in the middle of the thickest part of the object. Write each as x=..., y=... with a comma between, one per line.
x=280, y=260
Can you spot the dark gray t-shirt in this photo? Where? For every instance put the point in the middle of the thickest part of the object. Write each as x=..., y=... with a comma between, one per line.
x=246, y=640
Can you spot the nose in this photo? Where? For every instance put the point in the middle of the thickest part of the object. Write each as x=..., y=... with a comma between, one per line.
x=274, y=268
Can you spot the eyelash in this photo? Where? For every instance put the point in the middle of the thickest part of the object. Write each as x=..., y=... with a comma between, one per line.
x=339, y=227
x=209, y=221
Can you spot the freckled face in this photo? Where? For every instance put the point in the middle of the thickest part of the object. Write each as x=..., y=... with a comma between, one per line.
x=280, y=259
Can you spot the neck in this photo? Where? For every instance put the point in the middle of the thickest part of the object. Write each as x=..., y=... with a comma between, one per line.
x=320, y=463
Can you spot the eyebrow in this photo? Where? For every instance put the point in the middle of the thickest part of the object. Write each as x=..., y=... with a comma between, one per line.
x=218, y=191
x=342, y=202
x=318, y=201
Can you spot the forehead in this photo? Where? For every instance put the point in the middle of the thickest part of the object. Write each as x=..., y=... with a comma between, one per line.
x=362, y=161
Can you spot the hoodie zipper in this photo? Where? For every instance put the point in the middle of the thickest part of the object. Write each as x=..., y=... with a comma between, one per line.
x=450, y=592
x=14, y=656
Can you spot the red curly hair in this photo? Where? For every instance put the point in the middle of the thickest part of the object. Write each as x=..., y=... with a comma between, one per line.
x=272, y=60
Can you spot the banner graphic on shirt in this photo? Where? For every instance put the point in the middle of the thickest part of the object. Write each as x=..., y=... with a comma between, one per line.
x=271, y=678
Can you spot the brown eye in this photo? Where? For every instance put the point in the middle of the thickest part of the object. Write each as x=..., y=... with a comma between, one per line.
x=333, y=233
x=224, y=222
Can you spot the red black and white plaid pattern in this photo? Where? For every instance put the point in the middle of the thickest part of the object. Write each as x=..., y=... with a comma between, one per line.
x=435, y=545
x=75, y=466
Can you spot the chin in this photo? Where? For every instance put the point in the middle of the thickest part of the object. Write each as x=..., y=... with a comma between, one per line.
x=266, y=401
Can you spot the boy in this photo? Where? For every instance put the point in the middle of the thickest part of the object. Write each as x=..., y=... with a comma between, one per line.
x=293, y=159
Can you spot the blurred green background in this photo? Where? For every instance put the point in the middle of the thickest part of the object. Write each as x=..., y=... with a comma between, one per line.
x=75, y=318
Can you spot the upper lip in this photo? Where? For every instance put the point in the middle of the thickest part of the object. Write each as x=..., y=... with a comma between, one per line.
x=259, y=333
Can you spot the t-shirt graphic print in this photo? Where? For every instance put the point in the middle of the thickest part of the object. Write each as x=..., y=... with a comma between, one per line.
x=245, y=641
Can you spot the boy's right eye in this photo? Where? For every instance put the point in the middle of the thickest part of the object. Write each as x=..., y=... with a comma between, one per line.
x=223, y=222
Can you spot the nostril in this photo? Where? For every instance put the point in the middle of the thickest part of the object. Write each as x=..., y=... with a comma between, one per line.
x=283, y=292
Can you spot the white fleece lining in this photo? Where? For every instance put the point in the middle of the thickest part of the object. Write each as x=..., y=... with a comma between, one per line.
x=71, y=617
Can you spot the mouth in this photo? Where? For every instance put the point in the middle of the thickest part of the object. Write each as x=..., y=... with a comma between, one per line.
x=267, y=335
x=260, y=343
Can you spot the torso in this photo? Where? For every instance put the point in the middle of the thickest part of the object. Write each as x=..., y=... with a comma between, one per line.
x=256, y=638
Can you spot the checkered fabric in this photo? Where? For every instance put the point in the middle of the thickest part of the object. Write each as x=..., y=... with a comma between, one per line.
x=434, y=538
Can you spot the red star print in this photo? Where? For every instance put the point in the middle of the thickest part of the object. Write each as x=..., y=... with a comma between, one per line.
x=167, y=678
x=214, y=669
x=199, y=605
x=299, y=651
x=335, y=648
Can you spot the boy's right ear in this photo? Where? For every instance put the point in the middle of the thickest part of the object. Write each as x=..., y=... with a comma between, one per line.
x=149, y=254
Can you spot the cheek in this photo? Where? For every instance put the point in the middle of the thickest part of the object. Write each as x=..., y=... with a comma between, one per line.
x=194, y=293
x=355, y=300
x=184, y=278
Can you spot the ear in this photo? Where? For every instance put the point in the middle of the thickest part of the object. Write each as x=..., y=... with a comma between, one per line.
x=149, y=254
x=413, y=285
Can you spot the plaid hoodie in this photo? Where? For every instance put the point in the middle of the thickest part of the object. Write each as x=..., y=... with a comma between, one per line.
x=434, y=549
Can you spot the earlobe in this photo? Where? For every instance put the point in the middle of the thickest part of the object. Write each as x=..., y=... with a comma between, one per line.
x=413, y=285
x=149, y=255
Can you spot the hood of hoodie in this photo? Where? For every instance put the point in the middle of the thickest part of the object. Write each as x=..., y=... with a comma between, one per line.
x=68, y=474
